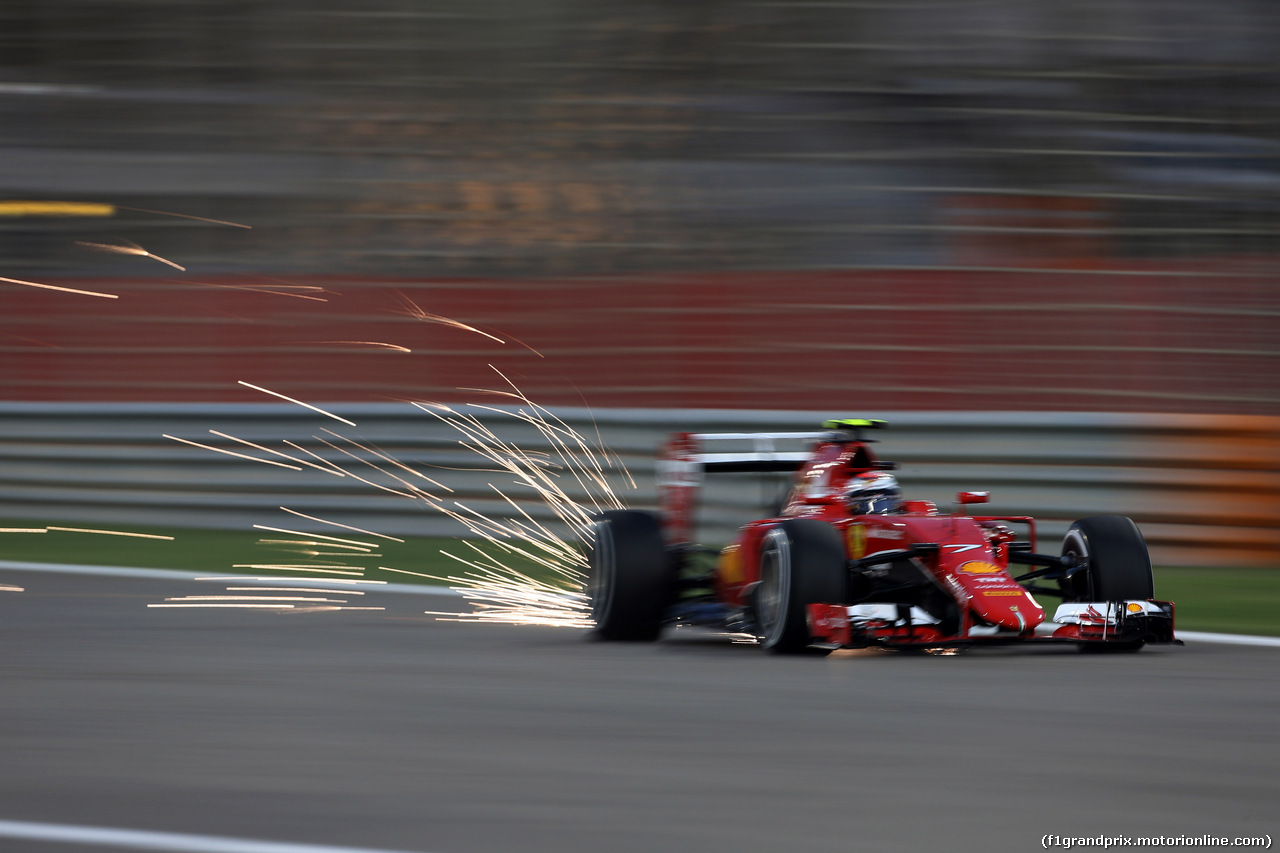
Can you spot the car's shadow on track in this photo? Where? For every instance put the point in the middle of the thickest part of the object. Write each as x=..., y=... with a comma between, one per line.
x=709, y=643
x=697, y=641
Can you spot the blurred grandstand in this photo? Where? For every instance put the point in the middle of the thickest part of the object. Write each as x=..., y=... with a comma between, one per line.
x=1093, y=182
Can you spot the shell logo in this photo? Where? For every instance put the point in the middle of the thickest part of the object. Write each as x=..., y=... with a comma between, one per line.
x=856, y=535
x=1134, y=607
x=979, y=567
x=729, y=566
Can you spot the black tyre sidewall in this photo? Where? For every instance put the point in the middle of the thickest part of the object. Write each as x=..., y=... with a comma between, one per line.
x=811, y=570
x=1118, y=564
x=629, y=582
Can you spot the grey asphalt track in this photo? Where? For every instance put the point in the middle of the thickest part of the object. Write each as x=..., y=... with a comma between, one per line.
x=392, y=730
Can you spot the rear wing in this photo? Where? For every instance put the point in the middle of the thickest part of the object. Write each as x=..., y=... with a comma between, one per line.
x=686, y=457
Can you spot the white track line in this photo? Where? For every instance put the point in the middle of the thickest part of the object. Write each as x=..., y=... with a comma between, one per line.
x=416, y=589
x=1231, y=639
x=174, y=574
x=172, y=842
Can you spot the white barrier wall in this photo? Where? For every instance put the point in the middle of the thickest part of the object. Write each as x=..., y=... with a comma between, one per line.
x=1204, y=489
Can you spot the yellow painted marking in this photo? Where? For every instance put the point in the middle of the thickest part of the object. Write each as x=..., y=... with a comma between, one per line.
x=55, y=208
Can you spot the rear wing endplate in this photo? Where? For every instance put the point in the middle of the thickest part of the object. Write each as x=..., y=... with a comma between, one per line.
x=685, y=457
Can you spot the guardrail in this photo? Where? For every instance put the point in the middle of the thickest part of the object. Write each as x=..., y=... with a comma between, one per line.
x=1205, y=489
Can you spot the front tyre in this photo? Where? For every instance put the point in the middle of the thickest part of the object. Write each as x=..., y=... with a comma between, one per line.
x=1116, y=564
x=1116, y=567
x=802, y=562
x=629, y=577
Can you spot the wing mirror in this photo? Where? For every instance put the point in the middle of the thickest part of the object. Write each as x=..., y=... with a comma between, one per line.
x=964, y=498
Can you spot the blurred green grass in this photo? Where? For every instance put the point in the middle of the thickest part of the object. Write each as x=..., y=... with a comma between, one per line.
x=1237, y=601
x=1233, y=601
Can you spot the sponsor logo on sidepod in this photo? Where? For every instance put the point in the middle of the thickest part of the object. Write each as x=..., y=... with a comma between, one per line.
x=980, y=567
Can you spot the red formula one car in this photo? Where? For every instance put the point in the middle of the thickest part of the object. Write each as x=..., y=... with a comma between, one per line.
x=847, y=563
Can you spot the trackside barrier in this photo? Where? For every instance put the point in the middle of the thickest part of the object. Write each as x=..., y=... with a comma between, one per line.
x=1205, y=489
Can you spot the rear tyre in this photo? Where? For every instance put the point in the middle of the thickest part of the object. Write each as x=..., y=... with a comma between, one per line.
x=1117, y=567
x=802, y=562
x=629, y=576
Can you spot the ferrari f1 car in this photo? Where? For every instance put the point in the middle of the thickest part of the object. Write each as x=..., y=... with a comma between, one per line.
x=846, y=562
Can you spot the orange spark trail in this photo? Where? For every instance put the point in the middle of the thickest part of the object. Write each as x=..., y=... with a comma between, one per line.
x=258, y=598
x=411, y=309
x=374, y=344
x=111, y=533
x=290, y=589
x=303, y=543
x=392, y=461
x=496, y=589
x=184, y=216
x=299, y=402
x=298, y=580
x=414, y=492
x=271, y=289
x=343, y=526
x=415, y=574
x=135, y=249
x=282, y=567
x=231, y=452
x=248, y=443
x=227, y=604
x=63, y=289
x=290, y=285
x=371, y=546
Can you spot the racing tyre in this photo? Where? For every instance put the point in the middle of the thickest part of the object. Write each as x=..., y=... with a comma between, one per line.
x=629, y=580
x=802, y=562
x=1117, y=567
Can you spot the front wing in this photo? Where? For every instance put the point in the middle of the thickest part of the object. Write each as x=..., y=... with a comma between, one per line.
x=1087, y=623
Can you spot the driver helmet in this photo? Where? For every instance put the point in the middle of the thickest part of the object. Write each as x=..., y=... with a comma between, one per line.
x=873, y=493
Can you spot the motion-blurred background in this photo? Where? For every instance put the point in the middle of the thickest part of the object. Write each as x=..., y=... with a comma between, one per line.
x=842, y=206
x=1037, y=236
x=936, y=203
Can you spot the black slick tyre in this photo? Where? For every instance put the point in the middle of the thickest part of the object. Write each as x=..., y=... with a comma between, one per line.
x=629, y=576
x=802, y=562
x=1117, y=567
